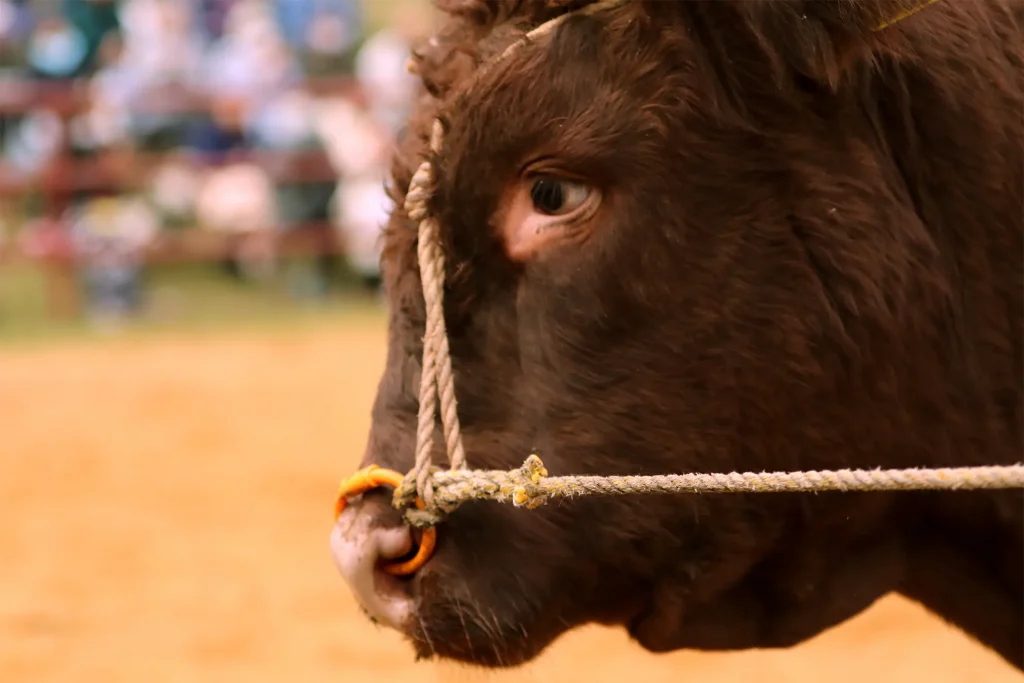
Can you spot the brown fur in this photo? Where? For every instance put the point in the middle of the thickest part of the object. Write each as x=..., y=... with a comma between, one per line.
x=809, y=256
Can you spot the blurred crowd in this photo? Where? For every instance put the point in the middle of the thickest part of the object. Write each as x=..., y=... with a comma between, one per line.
x=245, y=67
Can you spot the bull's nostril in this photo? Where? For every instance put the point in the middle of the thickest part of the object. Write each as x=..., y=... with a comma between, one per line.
x=368, y=479
x=395, y=544
x=423, y=550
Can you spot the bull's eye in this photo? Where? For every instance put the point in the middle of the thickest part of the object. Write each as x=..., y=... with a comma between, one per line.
x=554, y=197
x=543, y=209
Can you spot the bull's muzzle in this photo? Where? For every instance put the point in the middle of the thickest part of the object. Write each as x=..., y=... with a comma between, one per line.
x=372, y=547
x=368, y=537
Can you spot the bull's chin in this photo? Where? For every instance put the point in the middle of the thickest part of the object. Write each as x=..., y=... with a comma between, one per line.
x=481, y=655
x=466, y=635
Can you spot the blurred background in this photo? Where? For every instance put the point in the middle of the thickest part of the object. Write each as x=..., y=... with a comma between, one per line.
x=177, y=161
x=191, y=333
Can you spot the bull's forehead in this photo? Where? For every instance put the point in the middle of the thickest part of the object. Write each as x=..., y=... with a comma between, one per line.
x=601, y=93
x=597, y=94
x=576, y=94
x=549, y=72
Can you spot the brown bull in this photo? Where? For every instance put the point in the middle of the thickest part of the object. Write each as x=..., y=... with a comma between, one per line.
x=706, y=236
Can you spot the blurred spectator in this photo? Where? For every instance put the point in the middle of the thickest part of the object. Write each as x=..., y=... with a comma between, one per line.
x=92, y=20
x=238, y=201
x=56, y=49
x=173, y=189
x=161, y=40
x=161, y=52
x=16, y=24
x=359, y=147
x=323, y=26
x=360, y=135
x=323, y=33
x=109, y=235
x=246, y=69
x=286, y=124
x=106, y=119
x=32, y=142
x=255, y=85
x=211, y=18
x=381, y=65
x=61, y=39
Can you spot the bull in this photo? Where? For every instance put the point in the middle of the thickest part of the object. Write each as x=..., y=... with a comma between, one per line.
x=709, y=236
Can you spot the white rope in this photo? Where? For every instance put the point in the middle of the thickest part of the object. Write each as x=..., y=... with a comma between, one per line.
x=530, y=486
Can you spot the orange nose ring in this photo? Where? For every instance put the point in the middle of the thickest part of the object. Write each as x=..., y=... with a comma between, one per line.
x=373, y=477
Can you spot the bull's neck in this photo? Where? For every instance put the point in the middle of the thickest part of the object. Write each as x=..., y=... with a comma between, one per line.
x=966, y=563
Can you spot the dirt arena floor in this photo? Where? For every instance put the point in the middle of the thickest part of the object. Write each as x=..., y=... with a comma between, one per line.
x=166, y=509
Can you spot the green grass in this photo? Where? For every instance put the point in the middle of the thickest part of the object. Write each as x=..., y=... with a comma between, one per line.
x=194, y=299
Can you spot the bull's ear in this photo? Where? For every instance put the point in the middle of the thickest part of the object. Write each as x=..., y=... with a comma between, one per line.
x=822, y=38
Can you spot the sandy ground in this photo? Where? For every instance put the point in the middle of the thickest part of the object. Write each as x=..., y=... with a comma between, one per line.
x=166, y=508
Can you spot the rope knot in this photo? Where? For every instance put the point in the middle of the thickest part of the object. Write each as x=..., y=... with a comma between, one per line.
x=528, y=493
x=438, y=502
x=405, y=493
x=443, y=491
x=420, y=189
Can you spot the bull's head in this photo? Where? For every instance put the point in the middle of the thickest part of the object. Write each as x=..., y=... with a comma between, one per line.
x=680, y=236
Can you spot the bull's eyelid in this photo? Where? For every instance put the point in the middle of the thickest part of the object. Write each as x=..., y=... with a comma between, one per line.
x=554, y=167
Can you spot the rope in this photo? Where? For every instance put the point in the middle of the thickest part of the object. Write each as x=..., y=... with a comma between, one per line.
x=436, y=377
x=914, y=9
x=436, y=370
x=530, y=486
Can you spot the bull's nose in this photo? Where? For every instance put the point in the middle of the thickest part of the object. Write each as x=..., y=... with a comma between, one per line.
x=366, y=535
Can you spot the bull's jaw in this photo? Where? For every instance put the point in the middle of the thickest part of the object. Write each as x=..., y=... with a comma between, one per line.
x=795, y=601
x=356, y=546
x=359, y=541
